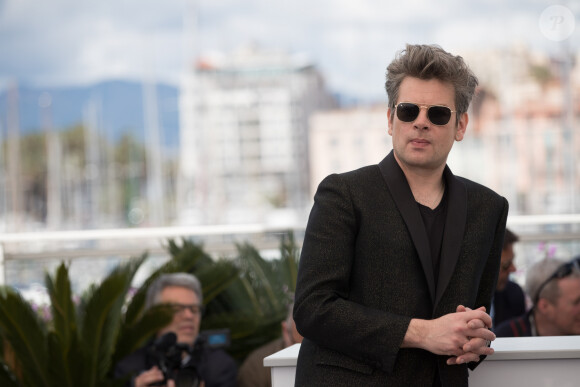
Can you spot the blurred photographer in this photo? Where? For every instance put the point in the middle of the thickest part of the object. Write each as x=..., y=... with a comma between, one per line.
x=197, y=364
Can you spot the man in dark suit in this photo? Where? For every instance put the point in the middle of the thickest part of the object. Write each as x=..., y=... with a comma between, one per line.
x=400, y=259
x=509, y=300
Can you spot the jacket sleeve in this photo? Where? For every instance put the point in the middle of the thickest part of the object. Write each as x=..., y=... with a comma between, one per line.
x=489, y=278
x=324, y=313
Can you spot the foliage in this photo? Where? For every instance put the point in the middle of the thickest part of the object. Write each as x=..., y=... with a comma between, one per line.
x=82, y=343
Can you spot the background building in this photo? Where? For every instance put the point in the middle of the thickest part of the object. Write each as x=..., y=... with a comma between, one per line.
x=244, y=137
x=345, y=139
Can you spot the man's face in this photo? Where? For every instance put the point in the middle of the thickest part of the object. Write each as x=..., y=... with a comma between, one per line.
x=420, y=144
x=185, y=323
x=505, y=267
x=566, y=313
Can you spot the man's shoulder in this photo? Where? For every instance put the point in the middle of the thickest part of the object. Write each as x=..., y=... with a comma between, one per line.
x=367, y=170
x=367, y=175
x=475, y=186
x=515, y=327
x=477, y=190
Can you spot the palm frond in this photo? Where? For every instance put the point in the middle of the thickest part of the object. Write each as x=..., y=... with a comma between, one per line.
x=217, y=278
x=62, y=306
x=22, y=328
x=288, y=264
x=101, y=320
x=261, y=275
x=61, y=367
x=134, y=336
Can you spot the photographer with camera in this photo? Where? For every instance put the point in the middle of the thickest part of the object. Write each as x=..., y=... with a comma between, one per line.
x=178, y=356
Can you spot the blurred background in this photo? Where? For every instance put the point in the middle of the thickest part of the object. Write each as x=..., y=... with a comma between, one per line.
x=124, y=122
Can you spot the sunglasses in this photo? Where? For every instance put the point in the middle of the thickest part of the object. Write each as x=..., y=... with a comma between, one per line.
x=438, y=115
x=562, y=272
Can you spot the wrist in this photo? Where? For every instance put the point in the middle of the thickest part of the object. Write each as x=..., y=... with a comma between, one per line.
x=416, y=333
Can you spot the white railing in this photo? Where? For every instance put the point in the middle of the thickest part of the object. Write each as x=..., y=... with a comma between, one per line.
x=132, y=242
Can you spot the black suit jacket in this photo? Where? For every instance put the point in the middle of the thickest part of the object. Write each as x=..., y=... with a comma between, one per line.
x=365, y=271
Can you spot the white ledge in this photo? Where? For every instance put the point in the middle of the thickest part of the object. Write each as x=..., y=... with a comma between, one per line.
x=506, y=348
x=519, y=361
x=545, y=347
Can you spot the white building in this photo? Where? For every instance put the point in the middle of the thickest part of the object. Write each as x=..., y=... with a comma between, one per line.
x=344, y=140
x=244, y=137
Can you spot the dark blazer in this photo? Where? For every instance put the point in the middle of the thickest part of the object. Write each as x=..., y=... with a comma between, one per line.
x=365, y=271
x=508, y=304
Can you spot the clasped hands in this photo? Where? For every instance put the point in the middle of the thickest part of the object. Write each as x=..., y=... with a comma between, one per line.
x=464, y=335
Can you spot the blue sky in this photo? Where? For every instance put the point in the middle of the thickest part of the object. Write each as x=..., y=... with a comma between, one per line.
x=64, y=42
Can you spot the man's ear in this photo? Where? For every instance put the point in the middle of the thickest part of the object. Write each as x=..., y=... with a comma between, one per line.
x=461, y=127
x=543, y=305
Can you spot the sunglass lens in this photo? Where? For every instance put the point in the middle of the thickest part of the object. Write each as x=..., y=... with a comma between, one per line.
x=407, y=112
x=439, y=115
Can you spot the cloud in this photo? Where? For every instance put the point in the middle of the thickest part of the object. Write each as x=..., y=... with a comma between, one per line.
x=70, y=41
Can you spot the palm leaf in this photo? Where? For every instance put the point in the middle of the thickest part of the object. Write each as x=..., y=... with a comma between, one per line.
x=101, y=320
x=62, y=306
x=22, y=328
x=216, y=279
x=134, y=336
x=60, y=366
x=262, y=277
x=288, y=264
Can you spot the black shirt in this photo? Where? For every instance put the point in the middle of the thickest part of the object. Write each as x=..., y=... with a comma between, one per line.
x=434, y=222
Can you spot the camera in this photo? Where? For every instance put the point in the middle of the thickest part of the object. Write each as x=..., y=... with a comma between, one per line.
x=167, y=354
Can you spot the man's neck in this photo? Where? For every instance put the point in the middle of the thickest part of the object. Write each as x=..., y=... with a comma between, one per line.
x=427, y=185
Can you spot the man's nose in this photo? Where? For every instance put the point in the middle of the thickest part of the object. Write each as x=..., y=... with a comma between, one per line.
x=422, y=120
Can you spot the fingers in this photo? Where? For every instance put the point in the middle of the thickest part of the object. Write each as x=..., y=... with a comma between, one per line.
x=461, y=308
x=150, y=376
x=478, y=346
x=472, y=351
x=481, y=333
x=465, y=358
x=473, y=315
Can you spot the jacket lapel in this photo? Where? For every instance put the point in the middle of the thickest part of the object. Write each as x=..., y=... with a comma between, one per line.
x=454, y=231
x=403, y=197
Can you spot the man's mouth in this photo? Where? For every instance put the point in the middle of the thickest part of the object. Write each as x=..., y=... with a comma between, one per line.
x=419, y=142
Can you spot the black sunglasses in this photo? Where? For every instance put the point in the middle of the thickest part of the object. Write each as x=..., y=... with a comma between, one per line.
x=438, y=115
x=562, y=272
